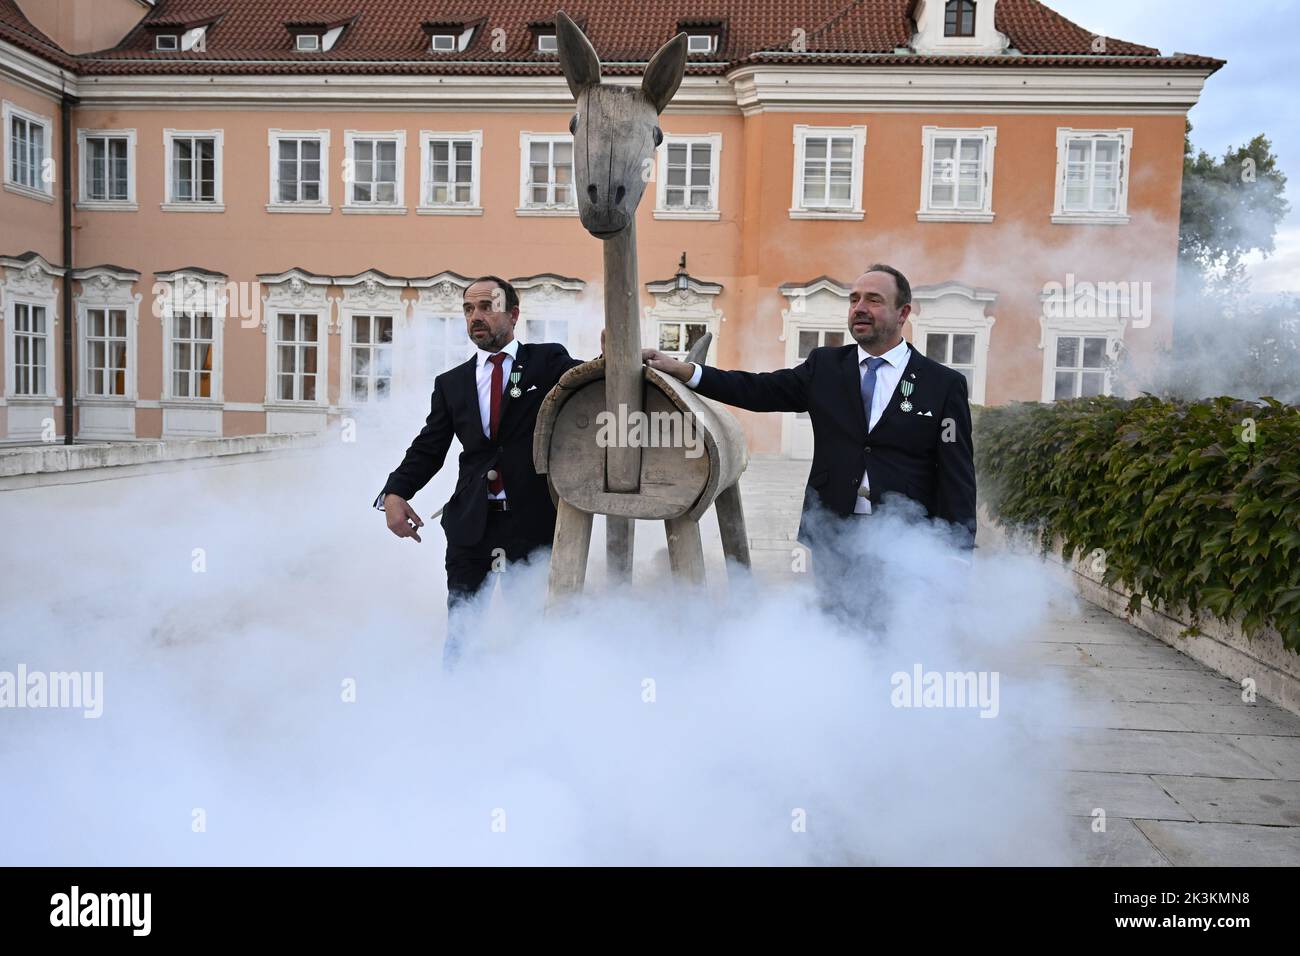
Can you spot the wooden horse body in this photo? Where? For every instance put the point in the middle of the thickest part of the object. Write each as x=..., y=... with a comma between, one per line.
x=615, y=135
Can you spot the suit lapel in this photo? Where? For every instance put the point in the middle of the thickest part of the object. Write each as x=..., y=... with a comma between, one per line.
x=851, y=373
x=912, y=374
x=469, y=393
x=523, y=366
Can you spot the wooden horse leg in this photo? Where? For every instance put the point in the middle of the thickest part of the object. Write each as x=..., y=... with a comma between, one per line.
x=569, y=553
x=620, y=534
x=731, y=523
x=685, y=552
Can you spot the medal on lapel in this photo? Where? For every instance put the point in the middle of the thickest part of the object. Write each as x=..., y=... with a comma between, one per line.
x=515, y=390
x=906, y=388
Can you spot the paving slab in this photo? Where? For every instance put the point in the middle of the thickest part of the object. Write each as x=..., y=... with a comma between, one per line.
x=1153, y=684
x=1122, y=844
x=1219, y=800
x=1223, y=844
x=1281, y=755
x=1148, y=656
x=1205, y=718
x=1121, y=795
x=1159, y=752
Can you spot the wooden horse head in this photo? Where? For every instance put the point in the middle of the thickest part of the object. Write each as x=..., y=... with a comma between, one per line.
x=615, y=130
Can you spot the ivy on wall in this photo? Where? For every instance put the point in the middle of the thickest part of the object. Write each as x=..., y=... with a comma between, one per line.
x=1183, y=503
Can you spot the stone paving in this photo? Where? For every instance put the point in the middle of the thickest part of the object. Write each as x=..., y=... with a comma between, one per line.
x=1189, y=774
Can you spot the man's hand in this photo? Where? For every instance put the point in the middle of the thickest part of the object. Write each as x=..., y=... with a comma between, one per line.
x=402, y=519
x=682, y=371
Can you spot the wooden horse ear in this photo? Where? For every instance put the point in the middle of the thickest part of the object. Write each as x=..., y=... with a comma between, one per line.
x=664, y=74
x=578, y=57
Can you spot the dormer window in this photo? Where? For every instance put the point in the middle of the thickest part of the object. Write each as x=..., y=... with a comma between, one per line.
x=451, y=36
x=547, y=43
x=316, y=36
x=959, y=18
x=701, y=43
x=173, y=36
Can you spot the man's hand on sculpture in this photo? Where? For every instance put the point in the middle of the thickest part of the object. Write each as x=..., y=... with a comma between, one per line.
x=402, y=519
x=682, y=371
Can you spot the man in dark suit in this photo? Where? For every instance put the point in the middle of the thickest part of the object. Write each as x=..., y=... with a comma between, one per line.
x=885, y=418
x=501, y=510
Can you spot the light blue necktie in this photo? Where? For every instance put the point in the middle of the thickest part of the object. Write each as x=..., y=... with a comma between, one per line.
x=869, y=386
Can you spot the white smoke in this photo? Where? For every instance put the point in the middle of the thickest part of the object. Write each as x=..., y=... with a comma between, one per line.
x=766, y=732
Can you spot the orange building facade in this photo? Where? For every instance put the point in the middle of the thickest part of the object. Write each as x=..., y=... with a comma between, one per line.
x=272, y=212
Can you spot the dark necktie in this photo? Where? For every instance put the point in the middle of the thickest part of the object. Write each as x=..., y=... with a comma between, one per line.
x=494, y=414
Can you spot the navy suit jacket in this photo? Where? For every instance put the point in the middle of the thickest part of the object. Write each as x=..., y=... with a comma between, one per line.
x=454, y=413
x=925, y=453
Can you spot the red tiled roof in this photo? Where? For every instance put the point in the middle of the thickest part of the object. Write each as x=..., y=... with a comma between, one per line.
x=387, y=36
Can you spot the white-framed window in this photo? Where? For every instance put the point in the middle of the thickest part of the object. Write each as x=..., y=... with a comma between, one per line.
x=959, y=18
x=307, y=43
x=680, y=315
x=546, y=175
x=1092, y=174
x=676, y=338
x=687, y=182
x=29, y=291
x=1081, y=368
x=375, y=172
x=443, y=43
x=816, y=316
x=449, y=172
x=548, y=304
x=448, y=343
x=957, y=174
x=105, y=357
x=949, y=325
x=193, y=353
x=370, y=357
x=547, y=43
x=701, y=42
x=955, y=350
x=31, y=349
x=107, y=169
x=828, y=172
x=194, y=170
x=298, y=373
x=167, y=42
x=29, y=163
x=1080, y=340
x=300, y=163
x=108, y=314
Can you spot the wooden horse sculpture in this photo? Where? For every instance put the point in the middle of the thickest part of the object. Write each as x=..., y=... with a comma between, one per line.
x=615, y=134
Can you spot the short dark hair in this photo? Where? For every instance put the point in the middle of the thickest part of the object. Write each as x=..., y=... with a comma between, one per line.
x=904, y=296
x=512, y=297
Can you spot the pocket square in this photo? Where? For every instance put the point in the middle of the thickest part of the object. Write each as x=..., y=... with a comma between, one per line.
x=532, y=388
x=928, y=414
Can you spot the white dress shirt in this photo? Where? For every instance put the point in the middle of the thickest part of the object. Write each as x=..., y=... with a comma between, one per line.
x=887, y=378
x=484, y=381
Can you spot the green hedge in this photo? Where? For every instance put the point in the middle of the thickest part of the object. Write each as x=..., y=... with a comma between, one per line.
x=1186, y=507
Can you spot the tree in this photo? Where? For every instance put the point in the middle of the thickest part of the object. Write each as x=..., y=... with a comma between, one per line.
x=1226, y=340
x=1230, y=207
